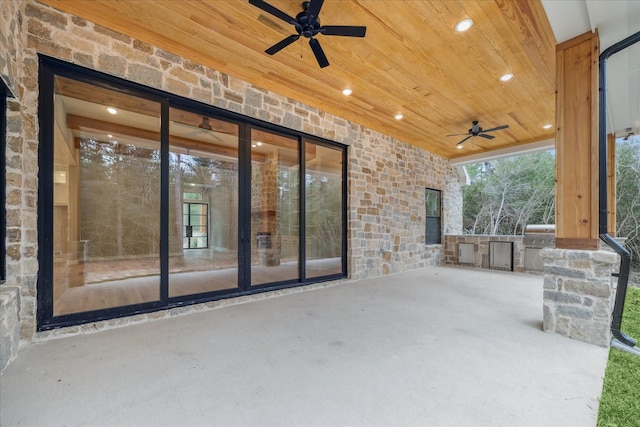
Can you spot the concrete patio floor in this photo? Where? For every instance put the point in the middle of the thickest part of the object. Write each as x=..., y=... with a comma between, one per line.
x=443, y=346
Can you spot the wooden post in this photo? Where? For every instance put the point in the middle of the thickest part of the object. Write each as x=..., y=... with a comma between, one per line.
x=577, y=142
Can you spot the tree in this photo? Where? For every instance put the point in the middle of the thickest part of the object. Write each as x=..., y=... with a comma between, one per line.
x=628, y=196
x=507, y=194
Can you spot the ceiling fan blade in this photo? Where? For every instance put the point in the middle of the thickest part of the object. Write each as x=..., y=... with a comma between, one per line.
x=496, y=128
x=458, y=134
x=464, y=140
x=273, y=11
x=314, y=10
x=343, y=30
x=486, y=136
x=282, y=44
x=319, y=53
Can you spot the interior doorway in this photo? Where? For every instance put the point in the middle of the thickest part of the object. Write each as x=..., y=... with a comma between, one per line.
x=196, y=225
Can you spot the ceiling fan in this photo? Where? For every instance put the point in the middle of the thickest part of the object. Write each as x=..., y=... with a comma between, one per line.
x=476, y=130
x=206, y=129
x=307, y=24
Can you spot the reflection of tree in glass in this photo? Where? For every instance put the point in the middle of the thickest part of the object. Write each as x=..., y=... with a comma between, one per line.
x=432, y=202
x=119, y=198
x=323, y=215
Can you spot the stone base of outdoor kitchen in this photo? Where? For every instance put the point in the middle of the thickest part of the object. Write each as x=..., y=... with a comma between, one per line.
x=579, y=293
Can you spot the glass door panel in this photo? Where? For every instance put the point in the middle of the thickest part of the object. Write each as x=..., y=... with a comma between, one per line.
x=106, y=212
x=203, y=204
x=196, y=225
x=275, y=208
x=323, y=210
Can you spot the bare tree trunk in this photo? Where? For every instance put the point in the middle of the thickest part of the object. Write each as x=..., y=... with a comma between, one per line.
x=496, y=224
x=119, y=201
x=178, y=245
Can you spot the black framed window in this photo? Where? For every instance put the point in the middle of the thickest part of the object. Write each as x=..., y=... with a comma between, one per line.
x=149, y=201
x=433, y=215
x=4, y=94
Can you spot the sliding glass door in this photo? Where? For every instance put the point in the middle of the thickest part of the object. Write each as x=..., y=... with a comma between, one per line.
x=275, y=208
x=203, y=204
x=150, y=201
x=324, y=206
x=106, y=199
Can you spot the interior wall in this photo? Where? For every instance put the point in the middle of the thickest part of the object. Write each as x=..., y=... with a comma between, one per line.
x=386, y=177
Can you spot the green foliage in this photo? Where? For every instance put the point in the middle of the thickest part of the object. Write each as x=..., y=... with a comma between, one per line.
x=628, y=195
x=620, y=401
x=507, y=194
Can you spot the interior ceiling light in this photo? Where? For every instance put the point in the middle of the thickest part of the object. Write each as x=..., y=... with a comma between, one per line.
x=506, y=77
x=258, y=143
x=254, y=145
x=459, y=147
x=399, y=116
x=109, y=136
x=347, y=92
x=112, y=110
x=547, y=126
x=464, y=25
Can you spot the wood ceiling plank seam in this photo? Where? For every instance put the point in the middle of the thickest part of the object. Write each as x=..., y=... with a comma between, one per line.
x=540, y=39
x=205, y=14
x=447, y=35
x=522, y=60
x=538, y=55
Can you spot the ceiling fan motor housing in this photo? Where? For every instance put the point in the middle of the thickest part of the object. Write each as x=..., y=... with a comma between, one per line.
x=307, y=27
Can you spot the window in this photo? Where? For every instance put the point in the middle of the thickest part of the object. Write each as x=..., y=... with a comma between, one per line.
x=433, y=209
x=4, y=93
x=149, y=201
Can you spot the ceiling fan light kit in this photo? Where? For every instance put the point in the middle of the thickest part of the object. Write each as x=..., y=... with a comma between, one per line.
x=307, y=24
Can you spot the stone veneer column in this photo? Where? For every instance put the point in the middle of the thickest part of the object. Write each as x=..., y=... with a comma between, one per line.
x=270, y=255
x=579, y=293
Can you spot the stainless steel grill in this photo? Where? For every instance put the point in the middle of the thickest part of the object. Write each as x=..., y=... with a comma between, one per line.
x=536, y=238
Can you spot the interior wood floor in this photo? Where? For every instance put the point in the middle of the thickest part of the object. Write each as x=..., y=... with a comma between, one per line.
x=146, y=288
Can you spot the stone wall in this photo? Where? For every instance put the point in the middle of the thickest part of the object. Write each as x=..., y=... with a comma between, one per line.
x=387, y=211
x=17, y=294
x=387, y=177
x=579, y=293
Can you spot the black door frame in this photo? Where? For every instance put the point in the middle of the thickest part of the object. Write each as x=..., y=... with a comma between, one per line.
x=189, y=232
x=49, y=69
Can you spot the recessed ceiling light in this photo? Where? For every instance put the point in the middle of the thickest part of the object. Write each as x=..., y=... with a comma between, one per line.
x=254, y=145
x=464, y=25
x=459, y=147
x=399, y=116
x=506, y=77
x=112, y=110
x=109, y=136
x=258, y=143
x=547, y=126
x=347, y=92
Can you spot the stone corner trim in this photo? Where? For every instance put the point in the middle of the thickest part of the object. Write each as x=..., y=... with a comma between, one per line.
x=9, y=324
x=579, y=292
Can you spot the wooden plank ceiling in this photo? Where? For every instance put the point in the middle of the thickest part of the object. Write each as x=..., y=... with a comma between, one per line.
x=410, y=62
